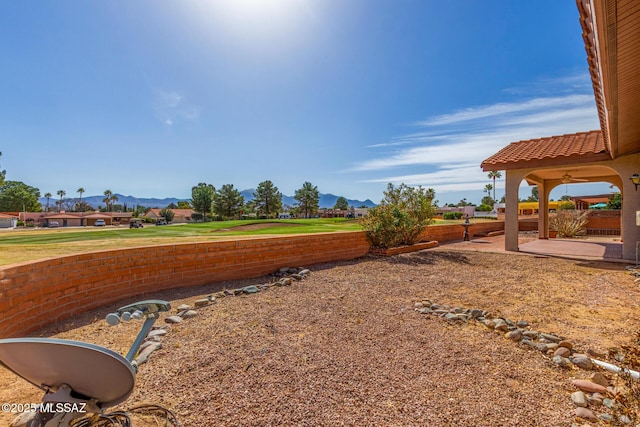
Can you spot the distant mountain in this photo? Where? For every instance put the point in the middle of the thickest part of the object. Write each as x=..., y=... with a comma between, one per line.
x=326, y=201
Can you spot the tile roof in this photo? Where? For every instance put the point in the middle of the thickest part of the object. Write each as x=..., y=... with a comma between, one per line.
x=555, y=150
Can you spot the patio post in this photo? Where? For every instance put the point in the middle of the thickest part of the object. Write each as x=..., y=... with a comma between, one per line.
x=512, y=185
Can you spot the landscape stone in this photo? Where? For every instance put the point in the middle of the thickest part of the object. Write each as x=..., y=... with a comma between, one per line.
x=522, y=323
x=562, y=352
x=189, y=314
x=585, y=414
x=562, y=362
x=304, y=272
x=552, y=338
x=157, y=332
x=599, y=378
x=173, y=319
x=565, y=343
x=200, y=302
x=500, y=325
x=582, y=361
x=250, y=289
x=579, y=399
x=475, y=313
x=589, y=387
x=515, y=335
x=489, y=323
x=183, y=307
x=531, y=334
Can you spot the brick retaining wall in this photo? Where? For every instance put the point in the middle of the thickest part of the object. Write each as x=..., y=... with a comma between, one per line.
x=35, y=294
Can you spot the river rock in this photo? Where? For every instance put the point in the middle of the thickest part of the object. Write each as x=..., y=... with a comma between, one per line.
x=599, y=378
x=500, y=325
x=515, y=335
x=173, y=319
x=589, y=387
x=566, y=344
x=201, y=302
x=579, y=399
x=582, y=361
x=562, y=352
x=585, y=414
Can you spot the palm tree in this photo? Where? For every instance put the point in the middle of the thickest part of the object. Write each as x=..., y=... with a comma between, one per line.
x=108, y=196
x=61, y=193
x=48, y=196
x=493, y=175
x=487, y=189
x=80, y=190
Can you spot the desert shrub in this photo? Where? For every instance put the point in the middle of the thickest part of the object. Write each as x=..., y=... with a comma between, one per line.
x=400, y=217
x=569, y=223
x=484, y=208
x=452, y=215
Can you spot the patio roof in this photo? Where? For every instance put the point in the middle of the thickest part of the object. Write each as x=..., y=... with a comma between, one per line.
x=612, y=41
x=562, y=150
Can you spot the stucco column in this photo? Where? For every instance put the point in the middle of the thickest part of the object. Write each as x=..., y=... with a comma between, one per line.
x=512, y=185
x=543, y=210
x=630, y=232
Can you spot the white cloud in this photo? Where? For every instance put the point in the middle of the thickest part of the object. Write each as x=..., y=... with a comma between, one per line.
x=171, y=106
x=446, y=151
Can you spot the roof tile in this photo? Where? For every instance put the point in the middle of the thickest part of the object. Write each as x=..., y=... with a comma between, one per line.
x=542, y=149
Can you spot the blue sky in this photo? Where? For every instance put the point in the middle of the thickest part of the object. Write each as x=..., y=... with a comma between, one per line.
x=151, y=97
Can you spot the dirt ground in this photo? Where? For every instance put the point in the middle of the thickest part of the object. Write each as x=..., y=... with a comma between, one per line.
x=345, y=346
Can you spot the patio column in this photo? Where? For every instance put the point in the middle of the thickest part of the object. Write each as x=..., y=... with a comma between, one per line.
x=543, y=210
x=630, y=230
x=512, y=185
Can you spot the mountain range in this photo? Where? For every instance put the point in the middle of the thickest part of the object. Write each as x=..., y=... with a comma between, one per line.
x=325, y=200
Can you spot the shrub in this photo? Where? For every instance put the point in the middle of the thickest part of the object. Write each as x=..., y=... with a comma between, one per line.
x=167, y=214
x=484, y=208
x=452, y=215
x=401, y=216
x=569, y=223
x=565, y=206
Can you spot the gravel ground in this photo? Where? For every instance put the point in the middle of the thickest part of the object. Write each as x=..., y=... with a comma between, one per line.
x=346, y=347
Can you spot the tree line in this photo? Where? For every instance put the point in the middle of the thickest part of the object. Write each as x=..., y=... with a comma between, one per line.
x=227, y=202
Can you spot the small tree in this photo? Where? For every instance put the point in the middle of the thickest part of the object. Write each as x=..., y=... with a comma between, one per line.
x=227, y=201
x=202, y=199
x=60, y=193
x=615, y=201
x=342, y=203
x=18, y=196
x=167, y=214
x=267, y=198
x=401, y=216
x=184, y=205
x=307, y=197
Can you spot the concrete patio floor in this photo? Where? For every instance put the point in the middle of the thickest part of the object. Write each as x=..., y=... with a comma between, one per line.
x=605, y=248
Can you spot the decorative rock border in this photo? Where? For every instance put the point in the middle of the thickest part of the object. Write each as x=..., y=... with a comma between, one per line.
x=285, y=276
x=596, y=392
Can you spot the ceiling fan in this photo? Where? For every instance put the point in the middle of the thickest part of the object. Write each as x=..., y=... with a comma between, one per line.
x=567, y=179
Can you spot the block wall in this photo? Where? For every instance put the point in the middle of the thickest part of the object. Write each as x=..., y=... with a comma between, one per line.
x=35, y=294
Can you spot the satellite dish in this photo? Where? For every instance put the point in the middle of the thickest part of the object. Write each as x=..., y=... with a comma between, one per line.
x=90, y=370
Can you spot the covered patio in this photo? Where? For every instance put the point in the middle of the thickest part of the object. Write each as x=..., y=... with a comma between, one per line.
x=610, y=154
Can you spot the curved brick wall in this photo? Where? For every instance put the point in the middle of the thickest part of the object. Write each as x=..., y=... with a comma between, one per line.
x=36, y=294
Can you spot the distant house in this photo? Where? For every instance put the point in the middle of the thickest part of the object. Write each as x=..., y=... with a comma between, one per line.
x=74, y=219
x=8, y=221
x=180, y=216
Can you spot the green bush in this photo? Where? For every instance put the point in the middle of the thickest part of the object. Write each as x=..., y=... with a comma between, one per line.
x=452, y=215
x=566, y=206
x=484, y=208
x=569, y=223
x=401, y=216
